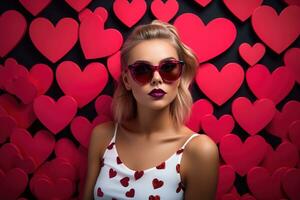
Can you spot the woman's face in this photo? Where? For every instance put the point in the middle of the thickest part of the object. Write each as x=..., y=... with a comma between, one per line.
x=153, y=51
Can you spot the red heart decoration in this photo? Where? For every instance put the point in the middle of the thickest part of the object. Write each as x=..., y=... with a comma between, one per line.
x=293, y=2
x=206, y=41
x=78, y=5
x=125, y=181
x=275, y=86
x=7, y=124
x=216, y=129
x=285, y=155
x=35, y=6
x=13, y=26
x=226, y=180
x=100, y=11
x=55, y=115
x=164, y=11
x=82, y=86
x=97, y=42
x=12, y=183
x=219, y=86
x=54, y=41
x=81, y=129
x=103, y=105
x=157, y=183
x=282, y=120
x=251, y=152
x=242, y=9
x=199, y=109
x=129, y=12
x=38, y=147
x=291, y=182
x=278, y=32
x=263, y=185
x=41, y=76
x=203, y=3
x=23, y=114
x=130, y=193
x=291, y=61
x=253, y=117
x=294, y=133
x=252, y=54
x=114, y=66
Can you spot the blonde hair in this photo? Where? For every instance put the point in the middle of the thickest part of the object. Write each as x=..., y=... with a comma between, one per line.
x=124, y=105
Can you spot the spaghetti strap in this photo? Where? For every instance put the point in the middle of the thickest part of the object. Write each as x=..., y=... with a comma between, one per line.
x=115, y=132
x=187, y=141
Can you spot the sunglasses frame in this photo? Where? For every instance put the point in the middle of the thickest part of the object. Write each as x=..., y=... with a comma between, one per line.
x=155, y=68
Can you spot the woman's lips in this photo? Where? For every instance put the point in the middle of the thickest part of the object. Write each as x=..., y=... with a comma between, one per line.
x=157, y=93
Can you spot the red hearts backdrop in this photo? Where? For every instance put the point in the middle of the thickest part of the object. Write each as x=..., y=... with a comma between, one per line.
x=60, y=60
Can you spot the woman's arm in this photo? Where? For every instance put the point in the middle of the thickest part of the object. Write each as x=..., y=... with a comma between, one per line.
x=202, y=169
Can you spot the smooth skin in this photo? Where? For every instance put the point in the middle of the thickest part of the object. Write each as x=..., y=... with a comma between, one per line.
x=152, y=138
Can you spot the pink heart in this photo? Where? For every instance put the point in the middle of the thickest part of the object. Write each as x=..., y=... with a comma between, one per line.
x=100, y=11
x=226, y=180
x=280, y=123
x=291, y=182
x=242, y=9
x=253, y=117
x=275, y=86
x=291, y=61
x=251, y=152
x=206, y=41
x=215, y=128
x=55, y=115
x=81, y=129
x=12, y=183
x=38, y=147
x=23, y=114
x=278, y=32
x=53, y=41
x=129, y=12
x=13, y=26
x=285, y=155
x=294, y=133
x=103, y=105
x=219, y=86
x=35, y=6
x=199, y=109
x=41, y=76
x=82, y=86
x=7, y=124
x=203, y=3
x=264, y=185
x=97, y=42
x=252, y=54
x=78, y=5
x=164, y=11
x=114, y=66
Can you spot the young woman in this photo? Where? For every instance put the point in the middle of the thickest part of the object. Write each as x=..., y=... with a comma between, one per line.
x=148, y=152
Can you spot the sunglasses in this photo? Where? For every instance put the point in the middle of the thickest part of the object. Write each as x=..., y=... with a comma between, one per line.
x=169, y=70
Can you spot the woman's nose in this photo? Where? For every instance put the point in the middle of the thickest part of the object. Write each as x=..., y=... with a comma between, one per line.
x=156, y=78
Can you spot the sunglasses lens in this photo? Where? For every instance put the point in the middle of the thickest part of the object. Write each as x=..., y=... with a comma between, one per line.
x=142, y=72
x=170, y=71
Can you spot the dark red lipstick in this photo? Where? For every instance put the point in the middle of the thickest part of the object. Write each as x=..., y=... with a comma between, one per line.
x=157, y=93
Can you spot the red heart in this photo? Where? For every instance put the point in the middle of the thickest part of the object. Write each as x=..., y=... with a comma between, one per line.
x=226, y=180
x=275, y=86
x=55, y=115
x=282, y=120
x=129, y=12
x=293, y=2
x=99, y=192
x=292, y=62
x=13, y=183
x=78, y=5
x=285, y=155
x=156, y=197
x=112, y=173
x=242, y=9
x=38, y=147
x=23, y=114
x=278, y=32
x=41, y=76
x=13, y=26
x=103, y=105
x=161, y=166
x=199, y=109
x=130, y=193
x=125, y=181
x=35, y=6
x=138, y=174
x=203, y=3
x=97, y=42
x=264, y=185
x=252, y=54
x=251, y=152
x=7, y=124
x=253, y=117
x=157, y=183
x=114, y=66
x=81, y=129
x=82, y=86
x=216, y=129
x=206, y=41
x=291, y=182
x=100, y=11
x=219, y=86
x=164, y=11
x=54, y=41
x=294, y=133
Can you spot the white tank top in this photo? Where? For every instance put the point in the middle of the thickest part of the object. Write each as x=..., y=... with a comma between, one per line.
x=117, y=181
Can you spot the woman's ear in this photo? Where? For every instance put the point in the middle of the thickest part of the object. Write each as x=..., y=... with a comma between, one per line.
x=125, y=81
